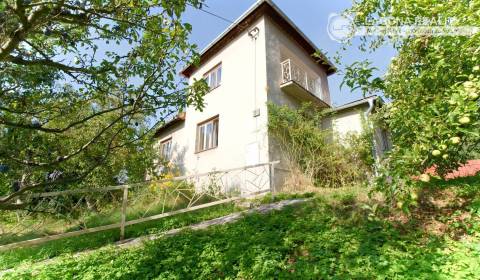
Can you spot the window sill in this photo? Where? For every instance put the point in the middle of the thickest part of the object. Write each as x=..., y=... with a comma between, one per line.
x=212, y=89
x=202, y=151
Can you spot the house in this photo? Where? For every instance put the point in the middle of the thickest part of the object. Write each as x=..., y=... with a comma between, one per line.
x=351, y=118
x=262, y=57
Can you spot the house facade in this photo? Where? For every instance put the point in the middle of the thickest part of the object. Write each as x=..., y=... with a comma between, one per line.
x=262, y=57
x=352, y=118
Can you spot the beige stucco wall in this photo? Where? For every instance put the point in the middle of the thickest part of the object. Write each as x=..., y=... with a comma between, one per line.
x=251, y=77
x=281, y=46
x=349, y=121
x=242, y=138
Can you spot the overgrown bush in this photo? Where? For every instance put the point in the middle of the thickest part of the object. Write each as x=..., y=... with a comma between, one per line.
x=317, y=152
x=361, y=145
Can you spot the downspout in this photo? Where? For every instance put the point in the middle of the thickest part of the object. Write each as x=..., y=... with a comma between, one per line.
x=254, y=33
x=371, y=106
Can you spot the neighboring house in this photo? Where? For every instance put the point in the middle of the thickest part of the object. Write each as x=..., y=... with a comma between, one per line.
x=352, y=118
x=262, y=57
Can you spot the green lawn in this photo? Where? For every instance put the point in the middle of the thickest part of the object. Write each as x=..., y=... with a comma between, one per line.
x=55, y=248
x=326, y=238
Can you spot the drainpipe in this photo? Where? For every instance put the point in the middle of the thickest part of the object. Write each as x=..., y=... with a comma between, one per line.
x=371, y=106
x=254, y=33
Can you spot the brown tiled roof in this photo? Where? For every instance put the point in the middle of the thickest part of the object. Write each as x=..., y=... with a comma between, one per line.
x=471, y=168
x=179, y=118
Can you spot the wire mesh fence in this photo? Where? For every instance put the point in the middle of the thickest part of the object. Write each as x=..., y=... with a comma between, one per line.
x=57, y=215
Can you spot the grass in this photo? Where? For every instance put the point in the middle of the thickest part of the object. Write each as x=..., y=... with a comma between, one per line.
x=329, y=237
x=55, y=248
x=142, y=202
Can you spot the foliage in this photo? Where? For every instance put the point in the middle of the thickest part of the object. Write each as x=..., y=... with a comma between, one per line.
x=17, y=257
x=321, y=156
x=73, y=212
x=83, y=85
x=360, y=146
x=321, y=239
x=433, y=83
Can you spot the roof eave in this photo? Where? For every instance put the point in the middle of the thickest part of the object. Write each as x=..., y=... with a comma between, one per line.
x=330, y=68
x=357, y=103
x=179, y=118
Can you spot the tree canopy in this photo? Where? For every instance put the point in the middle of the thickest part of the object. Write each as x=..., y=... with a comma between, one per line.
x=82, y=86
x=433, y=84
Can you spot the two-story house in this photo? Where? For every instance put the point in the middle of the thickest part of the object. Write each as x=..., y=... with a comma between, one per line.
x=262, y=57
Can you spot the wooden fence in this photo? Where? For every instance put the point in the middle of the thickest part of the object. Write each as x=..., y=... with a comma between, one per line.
x=259, y=178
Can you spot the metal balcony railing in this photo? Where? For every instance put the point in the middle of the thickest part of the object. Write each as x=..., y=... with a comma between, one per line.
x=293, y=72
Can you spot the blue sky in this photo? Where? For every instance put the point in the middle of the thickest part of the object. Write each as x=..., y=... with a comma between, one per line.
x=311, y=16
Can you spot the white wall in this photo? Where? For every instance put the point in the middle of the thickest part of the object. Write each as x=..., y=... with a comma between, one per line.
x=281, y=46
x=242, y=138
x=251, y=77
x=179, y=146
x=348, y=122
x=351, y=121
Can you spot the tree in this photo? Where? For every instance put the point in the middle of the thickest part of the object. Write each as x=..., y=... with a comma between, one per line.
x=83, y=84
x=433, y=83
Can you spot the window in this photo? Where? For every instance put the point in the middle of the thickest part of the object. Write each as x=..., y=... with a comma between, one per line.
x=207, y=135
x=214, y=77
x=166, y=149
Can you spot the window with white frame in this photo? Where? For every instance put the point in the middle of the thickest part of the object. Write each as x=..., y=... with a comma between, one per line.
x=166, y=149
x=207, y=135
x=214, y=77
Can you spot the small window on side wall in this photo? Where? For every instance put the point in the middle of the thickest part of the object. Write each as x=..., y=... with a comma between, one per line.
x=166, y=149
x=214, y=77
x=207, y=135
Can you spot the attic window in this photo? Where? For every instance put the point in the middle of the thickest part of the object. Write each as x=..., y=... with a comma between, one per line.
x=214, y=77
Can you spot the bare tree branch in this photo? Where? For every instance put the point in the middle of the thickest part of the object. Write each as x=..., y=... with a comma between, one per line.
x=58, y=130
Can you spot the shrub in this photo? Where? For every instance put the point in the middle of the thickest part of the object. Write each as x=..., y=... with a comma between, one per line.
x=317, y=152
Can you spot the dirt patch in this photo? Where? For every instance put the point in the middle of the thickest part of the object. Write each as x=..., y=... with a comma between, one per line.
x=439, y=213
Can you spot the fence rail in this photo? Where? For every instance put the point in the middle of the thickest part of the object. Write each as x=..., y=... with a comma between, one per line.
x=162, y=198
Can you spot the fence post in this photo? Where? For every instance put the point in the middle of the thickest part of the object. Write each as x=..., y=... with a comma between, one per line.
x=124, y=213
x=272, y=178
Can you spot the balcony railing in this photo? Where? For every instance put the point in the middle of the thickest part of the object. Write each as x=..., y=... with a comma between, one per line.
x=293, y=72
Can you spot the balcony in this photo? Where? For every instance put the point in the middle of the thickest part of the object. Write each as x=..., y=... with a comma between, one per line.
x=300, y=84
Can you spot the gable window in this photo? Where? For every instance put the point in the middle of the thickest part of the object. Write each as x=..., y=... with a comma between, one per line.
x=214, y=77
x=207, y=135
x=166, y=149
